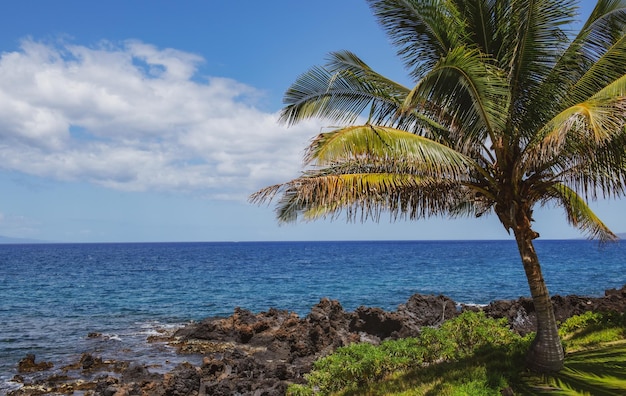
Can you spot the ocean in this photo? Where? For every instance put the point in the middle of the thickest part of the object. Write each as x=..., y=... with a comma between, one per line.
x=55, y=297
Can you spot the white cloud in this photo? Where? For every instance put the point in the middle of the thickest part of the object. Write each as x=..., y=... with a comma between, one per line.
x=136, y=117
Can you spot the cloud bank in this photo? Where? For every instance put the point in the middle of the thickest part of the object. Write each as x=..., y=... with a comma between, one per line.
x=138, y=118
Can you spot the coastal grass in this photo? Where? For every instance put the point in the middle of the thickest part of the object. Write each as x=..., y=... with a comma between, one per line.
x=595, y=363
x=476, y=355
x=599, y=370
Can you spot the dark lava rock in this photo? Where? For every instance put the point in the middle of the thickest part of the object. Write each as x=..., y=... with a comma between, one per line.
x=107, y=386
x=521, y=312
x=137, y=373
x=184, y=380
x=375, y=322
x=28, y=365
x=424, y=310
x=262, y=353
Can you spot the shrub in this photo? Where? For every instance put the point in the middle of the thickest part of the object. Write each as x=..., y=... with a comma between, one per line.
x=356, y=365
x=472, y=331
x=299, y=390
x=592, y=328
x=578, y=322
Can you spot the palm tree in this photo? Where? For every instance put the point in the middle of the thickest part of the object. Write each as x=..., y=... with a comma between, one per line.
x=509, y=110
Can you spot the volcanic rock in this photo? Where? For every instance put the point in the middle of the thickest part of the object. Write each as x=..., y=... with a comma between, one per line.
x=521, y=312
x=28, y=365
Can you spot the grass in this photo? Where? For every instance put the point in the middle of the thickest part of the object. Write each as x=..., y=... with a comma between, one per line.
x=475, y=355
x=599, y=370
x=596, y=360
x=465, y=377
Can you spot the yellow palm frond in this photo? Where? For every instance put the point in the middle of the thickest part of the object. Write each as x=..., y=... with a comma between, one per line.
x=586, y=126
x=364, y=195
x=413, y=153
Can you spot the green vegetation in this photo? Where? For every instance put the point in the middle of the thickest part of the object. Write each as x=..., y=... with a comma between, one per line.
x=596, y=371
x=592, y=328
x=507, y=110
x=476, y=355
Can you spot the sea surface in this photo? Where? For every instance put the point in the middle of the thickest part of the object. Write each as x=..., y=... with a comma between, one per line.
x=53, y=296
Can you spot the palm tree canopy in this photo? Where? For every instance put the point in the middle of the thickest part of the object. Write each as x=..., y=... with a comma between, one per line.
x=509, y=109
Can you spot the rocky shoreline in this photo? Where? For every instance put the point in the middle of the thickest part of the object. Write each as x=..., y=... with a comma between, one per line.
x=261, y=354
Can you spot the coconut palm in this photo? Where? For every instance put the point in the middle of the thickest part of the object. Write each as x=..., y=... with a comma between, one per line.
x=509, y=110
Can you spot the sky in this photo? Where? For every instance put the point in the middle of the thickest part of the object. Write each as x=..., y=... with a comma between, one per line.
x=153, y=121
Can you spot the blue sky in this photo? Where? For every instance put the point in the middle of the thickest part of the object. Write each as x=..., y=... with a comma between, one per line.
x=143, y=120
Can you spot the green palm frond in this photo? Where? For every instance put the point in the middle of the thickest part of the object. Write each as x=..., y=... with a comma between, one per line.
x=579, y=214
x=423, y=31
x=615, y=91
x=535, y=38
x=348, y=63
x=603, y=86
x=391, y=95
x=320, y=93
x=603, y=28
x=482, y=23
x=586, y=141
x=599, y=49
x=401, y=151
x=471, y=89
x=341, y=92
x=593, y=59
x=348, y=88
x=532, y=42
x=610, y=66
x=579, y=129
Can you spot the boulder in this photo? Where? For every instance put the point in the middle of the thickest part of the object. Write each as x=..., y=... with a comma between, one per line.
x=184, y=380
x=521, y=312
x=29, y=365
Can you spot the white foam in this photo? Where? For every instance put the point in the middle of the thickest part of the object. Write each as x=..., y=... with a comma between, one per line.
x=114, y=337
x=459, y=305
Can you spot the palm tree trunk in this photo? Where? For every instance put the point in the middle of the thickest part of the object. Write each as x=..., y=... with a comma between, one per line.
x=546, y=351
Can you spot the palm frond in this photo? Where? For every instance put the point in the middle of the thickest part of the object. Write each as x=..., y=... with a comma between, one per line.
x=532, y=42
x=579, y=214
x=600, y=52
x=472, y=91
x=347, y=89
x=346, y=62
x=600, y=174
x=583, y=129
x=320, y=93
x=398, y=149
x=423, y=31
x=536, y=38
x=362, y=196
x=390, y=95
x=593, y=59
x=342, y=91
x=481, y=19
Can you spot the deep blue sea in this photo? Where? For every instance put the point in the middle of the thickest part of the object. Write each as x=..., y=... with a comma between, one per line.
x=53, y=296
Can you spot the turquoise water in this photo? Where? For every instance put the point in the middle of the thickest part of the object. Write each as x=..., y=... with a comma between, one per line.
x=53, y=296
